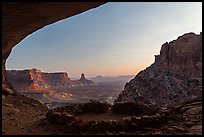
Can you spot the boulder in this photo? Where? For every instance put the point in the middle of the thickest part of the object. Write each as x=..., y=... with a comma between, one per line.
x=60, y=118
x=132, y=108
x=95, y=107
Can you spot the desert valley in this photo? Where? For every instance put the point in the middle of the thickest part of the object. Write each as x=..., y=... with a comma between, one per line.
x=95, y=83
x=168, y=84
x=54, y=89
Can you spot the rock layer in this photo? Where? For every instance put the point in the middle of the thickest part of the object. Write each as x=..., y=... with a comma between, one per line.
x=183, y=55
x=35, y=80
x=176, y=75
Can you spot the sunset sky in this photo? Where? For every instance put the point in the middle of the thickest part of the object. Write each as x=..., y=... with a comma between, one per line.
x=117, y=38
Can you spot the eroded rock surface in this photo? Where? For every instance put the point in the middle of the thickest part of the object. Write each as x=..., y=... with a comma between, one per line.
x=33, y=80
x=176, y=75
x=184, y=119
x=24, y=116
x=183, y=55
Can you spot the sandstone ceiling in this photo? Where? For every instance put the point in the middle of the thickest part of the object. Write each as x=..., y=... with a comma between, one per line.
x=19, y=19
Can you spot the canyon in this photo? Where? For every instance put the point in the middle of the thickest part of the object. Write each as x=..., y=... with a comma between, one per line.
x=57, y=89
x=165, y=98
x=175, y=76
x=33, y=80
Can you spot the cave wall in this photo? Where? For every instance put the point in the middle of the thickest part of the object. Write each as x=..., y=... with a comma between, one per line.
x=20, y=19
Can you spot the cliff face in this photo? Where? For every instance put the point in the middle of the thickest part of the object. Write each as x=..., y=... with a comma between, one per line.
x=35, y=80
x=22, y=81
x=57, y=79
x=175, y=76
x=183, y=55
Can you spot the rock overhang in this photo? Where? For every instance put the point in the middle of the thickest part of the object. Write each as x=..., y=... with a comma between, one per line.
x=20, y=19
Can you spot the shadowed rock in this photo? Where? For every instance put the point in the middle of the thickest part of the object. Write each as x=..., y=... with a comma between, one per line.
x=85, y=81
x=176, y=75
x=133, y=108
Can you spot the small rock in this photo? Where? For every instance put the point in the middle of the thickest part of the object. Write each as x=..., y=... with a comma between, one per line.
x=189, y=123
x=145, y=117
x=138, y=118
x=157, y=115
x=91, y=122
x=196, y=127
x=179, y=129
x=109, y=133
x=12, y=118
x=11, y=105
x=170, y=129
x=114, y=122
x=6, y=90
x=17, y=125
x=170, y=122
x=121, y=133
x=15, y=109
x=189, y=134
x=42, y=117
x=127, y=119
x=12, y=112
x=10, y=91
x=193, y=111
x=36, y=105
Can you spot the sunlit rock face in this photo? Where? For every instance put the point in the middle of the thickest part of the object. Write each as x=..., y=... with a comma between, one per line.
x=21, y=80
x=174, y=77
x=33, y=80
x=59, y=79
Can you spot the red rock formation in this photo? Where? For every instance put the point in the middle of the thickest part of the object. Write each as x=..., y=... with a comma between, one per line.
x=175, y=76
x=25, y=80
x=33, y=80
x=56, y=78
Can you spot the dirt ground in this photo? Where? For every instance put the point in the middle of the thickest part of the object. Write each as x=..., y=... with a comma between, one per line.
x=25, y=116
x=102, y=116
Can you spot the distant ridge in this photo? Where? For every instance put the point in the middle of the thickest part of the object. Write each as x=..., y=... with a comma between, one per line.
x=33, y=80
